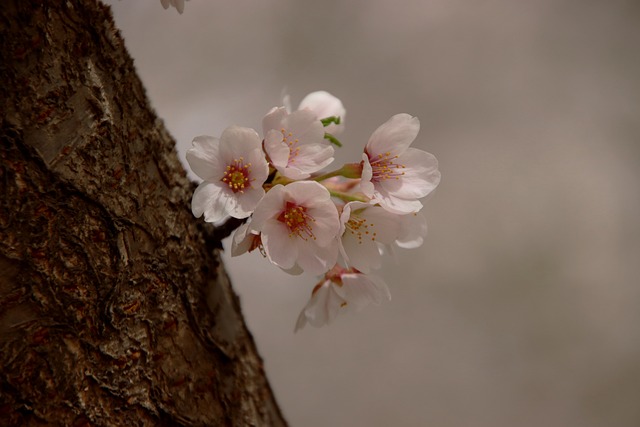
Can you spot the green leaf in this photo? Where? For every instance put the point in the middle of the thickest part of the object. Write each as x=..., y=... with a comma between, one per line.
x=328, y=120
x=332, y=139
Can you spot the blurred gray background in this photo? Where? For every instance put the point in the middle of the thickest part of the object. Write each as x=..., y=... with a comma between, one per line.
x=523, y=306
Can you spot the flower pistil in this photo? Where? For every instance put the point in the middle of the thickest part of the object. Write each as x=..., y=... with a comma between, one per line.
x=292, y=143
x=384, y=167
x=361, y=228
x=298, y=221
x=237, y=175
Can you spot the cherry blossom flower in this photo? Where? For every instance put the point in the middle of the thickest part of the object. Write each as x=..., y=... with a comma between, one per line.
x=340, y=291
x=325, y=105
x=363, y=228
x=245, y=240
x=295, y=142
x=412, y=230
x=298, y=226
x=368, y=230
x=178, y=4
x=233, y=169
x=394, y=174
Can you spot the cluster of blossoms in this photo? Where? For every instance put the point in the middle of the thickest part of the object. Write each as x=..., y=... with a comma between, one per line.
x=336, y=224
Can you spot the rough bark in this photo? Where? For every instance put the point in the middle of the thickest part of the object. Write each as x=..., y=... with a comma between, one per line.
x=114, y=305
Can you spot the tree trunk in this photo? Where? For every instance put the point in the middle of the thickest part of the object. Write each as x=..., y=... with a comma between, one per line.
x=114, y=305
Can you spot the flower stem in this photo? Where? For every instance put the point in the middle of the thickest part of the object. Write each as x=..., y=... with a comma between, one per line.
x=349, y=170
x=328, y=175
x=348, y=197
x=280, y=179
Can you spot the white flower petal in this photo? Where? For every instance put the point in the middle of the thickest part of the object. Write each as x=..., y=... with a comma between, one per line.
x=413, y=229
x=241, y=240
x=304, y=126
x=277, y=150
x=237, y=141
x=315, y=259
x=360, y=290
x=396, y=205
x=209, y=199
x=384, y=224
x=273, y=119
x=366, y=185
x=313, y=157
x=204, y=158
x=269, y=207
x=301, y=322
x=280, y=248
x=326, y=225
x=421, y=175
x=296, y=270
x=362, y=254
x=307, y=193
x=324, y=105
x=259, y=167
x=322, y=308
x=247, y=202
x=294, y=173
x=394, y=136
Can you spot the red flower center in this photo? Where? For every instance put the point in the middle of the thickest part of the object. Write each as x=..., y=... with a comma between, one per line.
x=298, y=221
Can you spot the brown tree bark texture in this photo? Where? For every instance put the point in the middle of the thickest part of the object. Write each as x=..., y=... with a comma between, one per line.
x=114, y=305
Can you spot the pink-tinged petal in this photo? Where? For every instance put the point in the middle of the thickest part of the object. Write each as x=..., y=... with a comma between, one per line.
x=322, y=308
x=362, y=254
x=277, y=150
x=273, y=120
x=286, y=101
x=366, y=185
x=303, y=126
x=396, y=205
x=280, y=248
x=316, y=312
x=242, y=240
x=326, y=224
x=259, y=167
x=307, y=193
x=383, y=223
x=316, y=259
x=211, y=200
x=381, y=286
x=400, y=206
x=421, y=175
x=345, y=214
x=247, y=202
x=360, y=290
x=237, y=141
x=301, y=322
x=324, y=105
x=413, y=229
x=204, y=158
x=296, y=270
x=179, y=4
x=294, y=173
x=313, y=157
x=394, y=136
x=269, y=207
